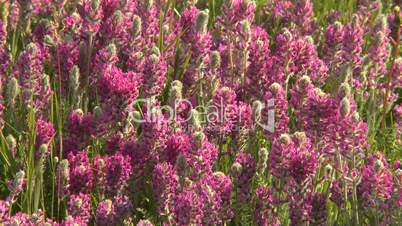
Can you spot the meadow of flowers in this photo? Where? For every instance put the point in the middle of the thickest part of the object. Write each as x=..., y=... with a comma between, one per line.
x=208, y=112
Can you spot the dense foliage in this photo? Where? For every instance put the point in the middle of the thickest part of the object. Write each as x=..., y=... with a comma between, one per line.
x=209, y=112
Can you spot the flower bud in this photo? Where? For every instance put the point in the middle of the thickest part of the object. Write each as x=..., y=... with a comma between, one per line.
x=285, y=139
x=262, y=160
x=328, y=171
x=300, y=138
x=98, y=112
x=257, y=109
x=79, y=112
x=74, y=78
x=218, y=174
x=304, y=82
x=319, y=92
x=177, y=83
x=149, y=4
x=202, y=21
x=63, y=178
x=95, y=4
x=165, y=29
x=355, y=117
x=235, y=170
x=155, y=51
x=355, y=21
x=78, y=202
x=111, y=50
x=12, y=91
x=17, y=185
x=344, y=90
x=117, y=17
x=215, y=59
x=32, y=49
x=338, y=26
x=175, y=93
x=345, y=107
x=310, y=40
x=275, y=88
x=49, y=41
x=195, y=119
x=45, y=81
x=137, y=26
x=181, y=165
x=245, y=29
x=381, y=23
x=139, y=55
x=378, y=165
x=136, y=116
x=11, y=142
x=285, y=32
x=43, y=149
x=198, y=139
x=154, y=58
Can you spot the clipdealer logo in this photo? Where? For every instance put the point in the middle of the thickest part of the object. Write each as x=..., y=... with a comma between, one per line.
x=212, y=114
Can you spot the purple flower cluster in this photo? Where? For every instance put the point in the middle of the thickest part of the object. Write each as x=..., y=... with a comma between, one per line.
x=159, y=112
